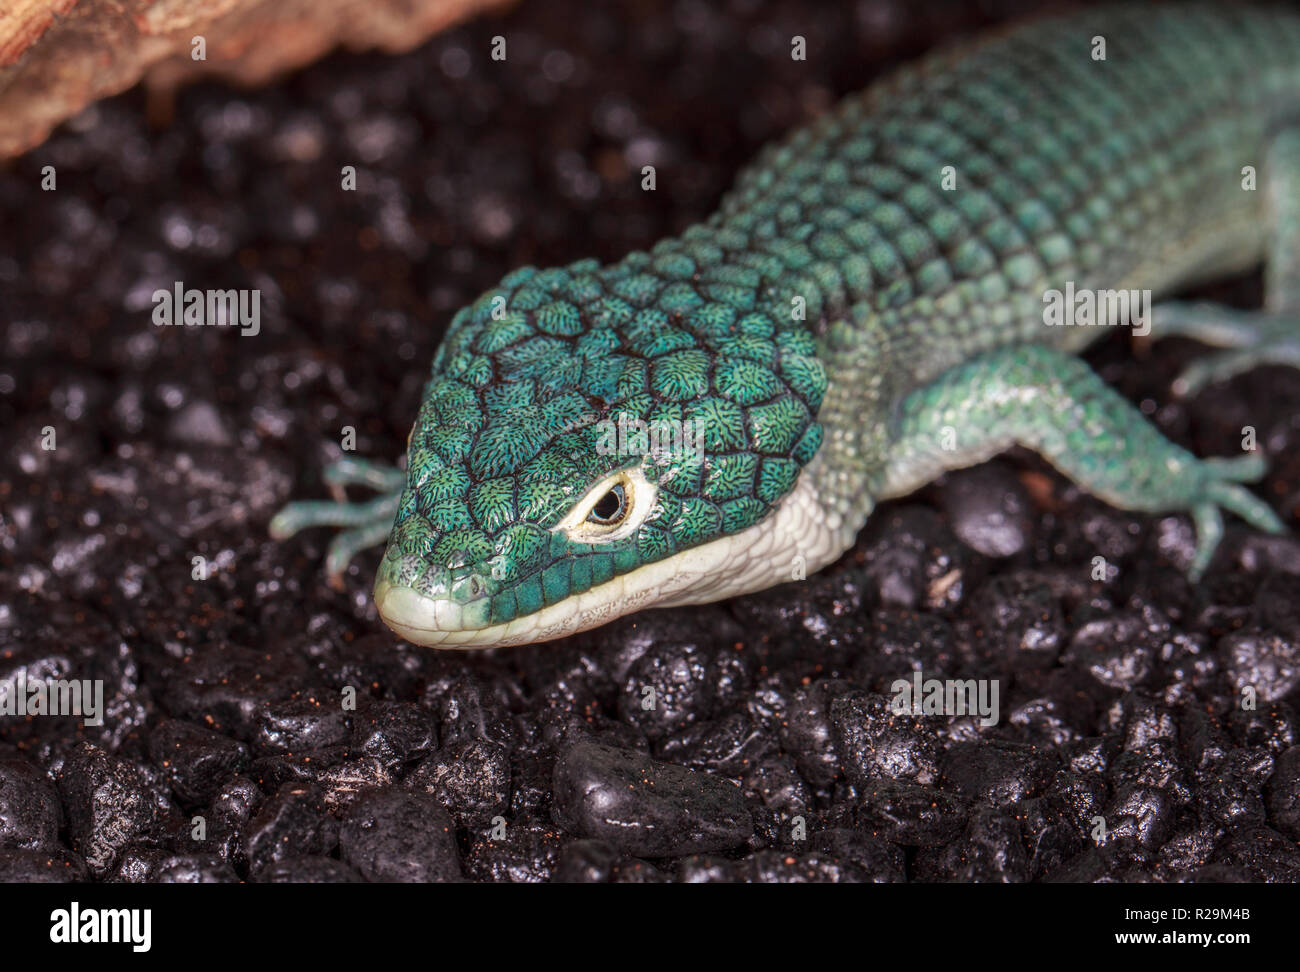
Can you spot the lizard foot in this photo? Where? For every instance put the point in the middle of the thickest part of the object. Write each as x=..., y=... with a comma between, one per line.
x=367, y=524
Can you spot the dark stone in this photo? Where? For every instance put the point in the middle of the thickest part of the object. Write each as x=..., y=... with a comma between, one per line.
x=395, y=733
x=307, y=870
x=470, y=779
x=1019, y=621
x=877, y=860
x=468, y=710
x=227, y=820
x=1192, y=849
x=1049, y=709
x=991, y=850
x=988, y=509
x=911, y=815
x=22, y=865
x=902, y=642
x=779, y=867
x=1138, y=821
x=596, y=862
x=776, y=781
x=342, y=784
x=807, y=734
x=913, y=560
x=998, y=773
x=1119, y=652
x=586, y=861
x=194, y=869
x=1265, y=853
x=291, y=823
x=519, y=852
x=195, y=761
x=1283, y=794
x=228, y=690
x=400, y=836
x=30, y=812
x=1265, y=662
x=1270, y=725
x=669, y=688
x=110, y=803
x=1051, y=833
x=1232, y=792
x=874, y=743
x=731, y=745
x=302, y=725
x=644, y=807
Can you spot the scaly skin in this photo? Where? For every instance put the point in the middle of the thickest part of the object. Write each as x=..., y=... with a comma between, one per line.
x=842, y=307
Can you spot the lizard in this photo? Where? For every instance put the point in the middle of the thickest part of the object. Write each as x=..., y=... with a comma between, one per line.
x=863, y=312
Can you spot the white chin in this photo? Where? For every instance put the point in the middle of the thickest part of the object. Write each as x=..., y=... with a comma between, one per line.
x=799, y=538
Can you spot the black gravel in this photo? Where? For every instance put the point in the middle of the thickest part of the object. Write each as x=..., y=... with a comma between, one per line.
x=1147, y=729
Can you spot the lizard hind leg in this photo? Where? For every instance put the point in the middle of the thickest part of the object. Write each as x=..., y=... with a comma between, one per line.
x=1056, y=405
x=1255, y=338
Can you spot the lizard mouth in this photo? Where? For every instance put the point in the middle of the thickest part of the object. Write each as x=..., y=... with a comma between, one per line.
x=441, y=622
x=728, y=566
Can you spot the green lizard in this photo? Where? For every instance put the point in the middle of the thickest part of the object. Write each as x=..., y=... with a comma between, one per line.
x=864, y=311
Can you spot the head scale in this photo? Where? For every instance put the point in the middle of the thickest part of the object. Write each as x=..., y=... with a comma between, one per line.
x=588, y=441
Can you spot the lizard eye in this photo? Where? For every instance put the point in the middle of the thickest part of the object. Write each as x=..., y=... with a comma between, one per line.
x=610, y=509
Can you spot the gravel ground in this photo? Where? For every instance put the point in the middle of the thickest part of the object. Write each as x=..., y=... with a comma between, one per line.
x=1120, y=698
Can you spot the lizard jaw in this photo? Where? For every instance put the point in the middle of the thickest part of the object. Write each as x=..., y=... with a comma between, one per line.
x=800, y=537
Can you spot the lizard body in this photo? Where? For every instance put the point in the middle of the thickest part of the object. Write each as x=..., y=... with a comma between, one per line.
x=864, y=311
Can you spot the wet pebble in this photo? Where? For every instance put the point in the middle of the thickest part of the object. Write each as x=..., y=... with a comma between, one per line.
x=911, y=815
x=644, y=807
x=395, y=733
x=988, y=509
x=307, y=870
x=109, y=802
x=990, y=850
x=470, y=779
x=303, y=724
x=1263, y=663
x=1119, y=652
x=400, y=836
x=731, y=745
x=597, y=862
x=195, y=761
x=913, y=560
x=1283, y=794
x=290, y=823
x=519, y=852
x=194, y=869
x=30, y=812
x=996, y=772
x=22, y=865
x=1020, y=621
x=875, y=743
x=806, y=732
x=1265, y=853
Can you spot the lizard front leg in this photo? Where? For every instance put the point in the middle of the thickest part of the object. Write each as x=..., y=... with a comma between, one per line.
x=368, y=523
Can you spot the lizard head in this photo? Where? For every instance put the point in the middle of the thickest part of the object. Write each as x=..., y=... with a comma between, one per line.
x=591, y=443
